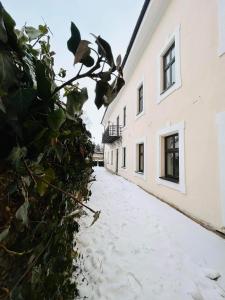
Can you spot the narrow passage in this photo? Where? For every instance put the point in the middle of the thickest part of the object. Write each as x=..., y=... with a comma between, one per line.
x=142, y=249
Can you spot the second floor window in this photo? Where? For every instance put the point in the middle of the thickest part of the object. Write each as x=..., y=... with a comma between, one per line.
x=169, y=68
x=140, y=100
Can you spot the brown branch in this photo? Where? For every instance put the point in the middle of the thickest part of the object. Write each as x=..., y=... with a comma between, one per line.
x=66, y=193
x=10, y=252
x=78, y=76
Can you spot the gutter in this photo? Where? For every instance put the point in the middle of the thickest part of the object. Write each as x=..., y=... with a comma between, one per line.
x=133, y=37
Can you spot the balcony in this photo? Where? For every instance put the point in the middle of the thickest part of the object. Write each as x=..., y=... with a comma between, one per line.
x=111, y=134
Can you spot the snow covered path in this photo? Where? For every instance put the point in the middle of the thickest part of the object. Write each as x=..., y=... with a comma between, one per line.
x=142, y=249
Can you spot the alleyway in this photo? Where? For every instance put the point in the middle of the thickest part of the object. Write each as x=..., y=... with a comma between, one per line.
x=142, y=249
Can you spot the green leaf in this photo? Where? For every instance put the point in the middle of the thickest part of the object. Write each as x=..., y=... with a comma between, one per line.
x=118, y=61
x=17, y=154
x=8, y=78
x=22, y=213
x=75, y=101
x=3, y=33
x=104, y=49
x=88, y=61
x=96, y=217
x=2, y=106
x=82, y=51
x=4, y=234
x=75, y=39
x=43, y=82
x=62, y=73
x=10, y=29
x=43, y=29
x=48, y=177
x=20, y=102
x=100, y=91
x=56, y=119
x=32, y=32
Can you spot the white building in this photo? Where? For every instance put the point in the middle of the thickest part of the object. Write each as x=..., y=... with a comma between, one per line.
x=165, y=131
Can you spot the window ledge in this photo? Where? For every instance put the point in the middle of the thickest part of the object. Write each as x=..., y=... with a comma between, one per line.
x=170, y=179
x=165, y=90
x=139, y=115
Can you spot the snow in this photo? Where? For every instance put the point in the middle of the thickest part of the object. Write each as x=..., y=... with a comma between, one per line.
x=141, y=248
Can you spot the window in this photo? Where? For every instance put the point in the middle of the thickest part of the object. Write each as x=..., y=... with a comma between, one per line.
x=112, y=157
x=169, y=68
x=140, y=100
x=124, y=116
x=140, y=158
x=124, y=158
x=172, y=157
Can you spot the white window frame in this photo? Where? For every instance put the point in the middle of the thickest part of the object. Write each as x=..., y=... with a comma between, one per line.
x=137, y=142
x=124, y=168
x=138, y=115
x=221, y=26
x=173, y=38
x=161, y=134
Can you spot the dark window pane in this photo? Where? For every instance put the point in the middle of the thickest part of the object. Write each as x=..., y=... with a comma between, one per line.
x=176, y=141
x=169, y=164
x=176, y=165
x=173, y=73
x=173, y=52
x=169, y=142
x=167, y=78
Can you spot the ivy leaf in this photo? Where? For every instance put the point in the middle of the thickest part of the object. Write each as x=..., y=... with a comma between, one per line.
x=62, y=73
x=2, y=106
x=75, y=101
x=20, y=102
x=43, y=82
x=88, y=61
x=56, y=119
x=32, y=32
x=74, y=40
x=100, y=91
x=8, y=77
x=42, y=183
x=118, y=61
x=96, y=217
x=17, y=154
x=43, y=29
x=22, y=213
x=104, y=49
x=82, y=51
x=3, y=33
x=4, y=234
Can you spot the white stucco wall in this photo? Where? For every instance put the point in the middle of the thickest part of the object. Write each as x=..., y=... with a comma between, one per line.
x=196, y=102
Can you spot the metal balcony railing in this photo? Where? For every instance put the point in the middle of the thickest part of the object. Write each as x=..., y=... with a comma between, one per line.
x=111, y=134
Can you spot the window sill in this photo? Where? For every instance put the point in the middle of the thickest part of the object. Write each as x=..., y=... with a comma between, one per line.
x=139, y=172
x=163, y=95
x=139, y=115
x=164, y=91
x=170, y=179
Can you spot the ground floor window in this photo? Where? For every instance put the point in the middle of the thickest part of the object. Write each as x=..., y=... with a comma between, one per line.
x=172, y=157
x=124, y=157
x=140, y=158
x=112, y=157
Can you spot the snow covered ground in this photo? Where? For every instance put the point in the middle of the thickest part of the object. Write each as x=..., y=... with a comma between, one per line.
x=142, y=249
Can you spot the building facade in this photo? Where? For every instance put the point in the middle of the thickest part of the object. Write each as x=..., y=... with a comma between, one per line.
x=165, y=131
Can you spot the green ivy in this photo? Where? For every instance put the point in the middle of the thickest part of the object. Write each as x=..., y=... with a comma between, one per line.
x=45, y=157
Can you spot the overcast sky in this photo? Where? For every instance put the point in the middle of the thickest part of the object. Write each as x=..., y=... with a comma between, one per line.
x=114, y=20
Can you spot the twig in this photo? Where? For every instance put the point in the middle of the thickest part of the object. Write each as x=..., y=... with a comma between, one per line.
x=78, y=76
x=10, y=252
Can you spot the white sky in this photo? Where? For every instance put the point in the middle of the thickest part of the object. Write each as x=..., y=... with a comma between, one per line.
x=114, y=20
